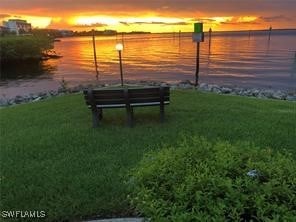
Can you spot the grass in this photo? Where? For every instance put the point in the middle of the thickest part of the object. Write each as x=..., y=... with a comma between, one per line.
x=53, y=160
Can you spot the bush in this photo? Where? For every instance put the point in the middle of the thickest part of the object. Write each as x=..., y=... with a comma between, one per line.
x=24, y=47
x=201, y=181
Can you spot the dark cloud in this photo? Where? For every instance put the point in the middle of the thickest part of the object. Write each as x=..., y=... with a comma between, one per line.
x=4, y=16
x=125, y=23
x=241, y=23
x=275, y=18
x=204, y=20
x=95, y=25
x=179, y=23
x=154, y=23
x=165, y=23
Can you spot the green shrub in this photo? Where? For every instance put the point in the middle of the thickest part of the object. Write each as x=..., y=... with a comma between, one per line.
x=201, y=181
x=24, y=47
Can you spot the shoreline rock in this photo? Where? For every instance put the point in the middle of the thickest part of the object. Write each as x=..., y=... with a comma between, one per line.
x=203, y=87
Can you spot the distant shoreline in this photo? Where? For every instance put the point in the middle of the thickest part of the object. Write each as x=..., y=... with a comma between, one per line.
x=213, y=32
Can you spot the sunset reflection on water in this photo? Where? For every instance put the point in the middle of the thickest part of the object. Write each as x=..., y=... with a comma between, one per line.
x=231, y=59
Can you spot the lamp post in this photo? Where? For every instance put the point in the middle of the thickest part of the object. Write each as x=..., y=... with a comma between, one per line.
x=119, y=48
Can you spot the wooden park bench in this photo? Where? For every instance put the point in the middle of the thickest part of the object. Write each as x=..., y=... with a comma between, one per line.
x=99, y=99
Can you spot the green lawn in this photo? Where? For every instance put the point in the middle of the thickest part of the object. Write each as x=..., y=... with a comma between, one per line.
x=53, y=160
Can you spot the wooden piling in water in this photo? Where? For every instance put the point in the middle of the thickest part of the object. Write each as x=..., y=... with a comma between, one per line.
x=210, y=38
x=179, y=37
x=269, y=34
x=210, y=33
x=95, y=53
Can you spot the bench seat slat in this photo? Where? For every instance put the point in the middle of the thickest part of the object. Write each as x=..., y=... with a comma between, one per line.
x=132, y=100
x=149, y=104
x=132, y=104
x=145, y=100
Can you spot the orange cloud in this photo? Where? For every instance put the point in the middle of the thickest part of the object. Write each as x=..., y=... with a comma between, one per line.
x=152, y=15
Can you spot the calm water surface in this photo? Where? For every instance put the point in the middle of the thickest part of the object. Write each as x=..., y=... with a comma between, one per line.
x=235, y=59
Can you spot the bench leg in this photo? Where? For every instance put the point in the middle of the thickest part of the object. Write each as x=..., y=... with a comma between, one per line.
x=130, y=116
x=96, y=118
x=100, y=114
x=162, y=114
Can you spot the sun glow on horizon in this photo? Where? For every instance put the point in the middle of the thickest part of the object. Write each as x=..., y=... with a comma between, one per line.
x=218, y=20
x=247, y=19
x=107, y=20
x=94, y=20
x=126, y=24
x=147, y=23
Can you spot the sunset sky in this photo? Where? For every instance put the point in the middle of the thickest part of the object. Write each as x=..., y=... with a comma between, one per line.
x=152, y=15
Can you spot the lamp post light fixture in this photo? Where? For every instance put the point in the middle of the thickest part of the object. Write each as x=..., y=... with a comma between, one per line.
x=119, y=48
